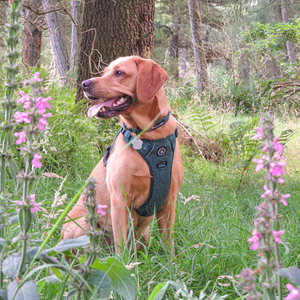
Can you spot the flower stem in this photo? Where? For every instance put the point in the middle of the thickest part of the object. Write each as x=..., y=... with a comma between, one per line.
x=12, y=69
x=23, y=257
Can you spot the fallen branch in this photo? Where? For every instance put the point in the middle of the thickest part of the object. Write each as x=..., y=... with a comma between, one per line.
x=198, y=148
x=183, y=124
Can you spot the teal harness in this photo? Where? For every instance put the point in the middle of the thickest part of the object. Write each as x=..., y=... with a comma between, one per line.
x=158, y=154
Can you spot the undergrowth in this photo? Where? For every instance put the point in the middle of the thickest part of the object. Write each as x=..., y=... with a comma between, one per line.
x=214, y=214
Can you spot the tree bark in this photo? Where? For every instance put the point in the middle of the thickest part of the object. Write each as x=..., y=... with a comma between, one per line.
x=77, y=8
x=174, y=45
x=32, y=39
x=198, y=46
x=289, y=45
x=183, y=65
x=57, y=36
x=111, y=29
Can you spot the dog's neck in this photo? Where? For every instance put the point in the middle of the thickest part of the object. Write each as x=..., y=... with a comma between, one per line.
x=155, y=111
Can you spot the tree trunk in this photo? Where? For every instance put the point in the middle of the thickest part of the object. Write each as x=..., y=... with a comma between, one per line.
x=111, y=29
x=174, y=45
x=183, y=65
x=198, y=46
x=76, y=12
x=32, y=39
x=57, y=36
x=289, y=45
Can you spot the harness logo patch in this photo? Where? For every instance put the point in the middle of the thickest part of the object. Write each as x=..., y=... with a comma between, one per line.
x=161, y=151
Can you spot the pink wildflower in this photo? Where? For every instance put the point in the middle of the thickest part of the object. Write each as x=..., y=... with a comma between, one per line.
x=100, y=209
x=36, y=76
x=283, y=199
x=36, y=160
x=27, y=104
x=21, y=136
x=255, y=239
x=259, y=133
x=267, y=192
x=24, y=98
x=278, y=147
x=42, y=103
x=22, y=117
x=277, y=234
x=43, y=121
x=276, y=169
x=35, y=206
x=265, y=149
x=19, y=203
x=260, y=164
x=280, y=180
x=294, y=293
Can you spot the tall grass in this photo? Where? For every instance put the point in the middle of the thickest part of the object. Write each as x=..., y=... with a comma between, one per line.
x=215, y=210
x=211, y=231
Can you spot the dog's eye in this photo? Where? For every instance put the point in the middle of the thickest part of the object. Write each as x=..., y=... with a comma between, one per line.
x=119, y=73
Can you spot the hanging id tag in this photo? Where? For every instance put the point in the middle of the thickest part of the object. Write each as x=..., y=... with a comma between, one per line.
x=137, y=144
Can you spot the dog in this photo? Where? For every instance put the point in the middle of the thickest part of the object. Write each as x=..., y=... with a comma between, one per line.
x=132, y=88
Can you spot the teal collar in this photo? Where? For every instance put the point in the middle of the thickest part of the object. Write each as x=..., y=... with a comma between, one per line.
x=156, y=125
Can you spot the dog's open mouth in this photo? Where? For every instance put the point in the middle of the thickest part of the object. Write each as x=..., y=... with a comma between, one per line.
x=110, y=107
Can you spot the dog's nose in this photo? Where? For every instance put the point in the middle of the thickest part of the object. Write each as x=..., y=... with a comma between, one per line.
x=86, y=84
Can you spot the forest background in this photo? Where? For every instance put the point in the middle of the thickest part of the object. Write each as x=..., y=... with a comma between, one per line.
x=228, y=62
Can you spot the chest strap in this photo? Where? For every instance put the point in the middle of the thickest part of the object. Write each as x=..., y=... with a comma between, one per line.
x=158, y=154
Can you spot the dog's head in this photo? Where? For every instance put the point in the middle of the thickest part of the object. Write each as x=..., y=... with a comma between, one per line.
x=125, y=83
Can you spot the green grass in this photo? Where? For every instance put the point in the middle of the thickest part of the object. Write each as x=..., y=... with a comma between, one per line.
x=211, y=231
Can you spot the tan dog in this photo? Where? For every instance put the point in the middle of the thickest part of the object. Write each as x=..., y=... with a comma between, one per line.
x=132, y=88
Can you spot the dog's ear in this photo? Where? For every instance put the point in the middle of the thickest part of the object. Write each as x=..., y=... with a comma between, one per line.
x=150, y=79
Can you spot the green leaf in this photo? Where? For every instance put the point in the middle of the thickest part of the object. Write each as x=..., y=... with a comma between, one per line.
x=121, y=279
x=69, y=244
x=160, y=290
x=3, y=295
x=3, y=135
x=57, y=273
x=14, y=218
x=11, y=264
x=292, y=273
x=101, y=284
x=28, y=291
x=2, y=242
x=49, y=279
x=14, y=170
x=70, y=294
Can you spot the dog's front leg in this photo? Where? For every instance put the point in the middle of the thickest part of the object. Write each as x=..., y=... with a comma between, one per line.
x=119, y=219
x=165, y=220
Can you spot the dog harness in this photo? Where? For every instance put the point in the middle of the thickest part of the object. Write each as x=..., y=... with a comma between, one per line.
x=158, y=154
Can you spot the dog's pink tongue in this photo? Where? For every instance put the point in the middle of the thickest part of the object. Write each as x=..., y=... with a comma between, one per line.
x=95, y=108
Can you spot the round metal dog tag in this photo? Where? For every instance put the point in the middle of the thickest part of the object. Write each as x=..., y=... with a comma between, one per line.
x=137, y=144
